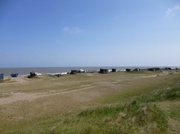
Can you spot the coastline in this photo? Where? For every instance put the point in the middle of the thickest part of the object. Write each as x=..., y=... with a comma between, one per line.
x=54, y=70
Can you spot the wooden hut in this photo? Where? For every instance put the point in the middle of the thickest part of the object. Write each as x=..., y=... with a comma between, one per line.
x=153, y=69
x=114, y=70
x=2, y=76
x=103, y=71
x=128, y=70
x=167, y=68
x=74, y=71
x=136, y=69
x=32, y=74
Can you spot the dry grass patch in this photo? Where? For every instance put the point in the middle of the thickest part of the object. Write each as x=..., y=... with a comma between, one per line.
x=52, y=104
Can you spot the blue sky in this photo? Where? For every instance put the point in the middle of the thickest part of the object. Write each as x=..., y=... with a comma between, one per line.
x=38, y=33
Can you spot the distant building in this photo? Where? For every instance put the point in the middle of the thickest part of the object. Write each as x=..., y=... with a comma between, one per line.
x=1, y=76
x=103, y=71
x=74, y=71
x=128, y=70
x=153, y=69
x=77, y=71
x=114, y=70
x=32, y=75
x=167, y=68
x=136, y=69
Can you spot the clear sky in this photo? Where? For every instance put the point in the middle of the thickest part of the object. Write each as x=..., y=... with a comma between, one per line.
x=38, y=33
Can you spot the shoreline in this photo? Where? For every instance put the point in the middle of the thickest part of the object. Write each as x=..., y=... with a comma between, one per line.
x=58, y=70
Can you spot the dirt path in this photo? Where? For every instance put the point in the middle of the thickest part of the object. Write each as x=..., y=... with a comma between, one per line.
x=21, y=96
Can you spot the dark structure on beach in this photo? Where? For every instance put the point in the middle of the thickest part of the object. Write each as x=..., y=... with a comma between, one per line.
x=32, y=75
x=128, y=70
x=77, y=71
x=136, y=69
x=74, y=72
x=1, y=76
x=103, y=71
x=167, y=68
x=153, y=69
x=114, y=70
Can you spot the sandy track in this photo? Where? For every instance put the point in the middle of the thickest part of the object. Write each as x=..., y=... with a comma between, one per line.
x=21, y=96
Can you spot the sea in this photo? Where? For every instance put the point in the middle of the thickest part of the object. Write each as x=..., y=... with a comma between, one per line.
x=50, y=70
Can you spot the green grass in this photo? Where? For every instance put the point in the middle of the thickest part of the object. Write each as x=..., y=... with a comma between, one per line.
x=139, y=115
x=143, y=105
x=5, y=80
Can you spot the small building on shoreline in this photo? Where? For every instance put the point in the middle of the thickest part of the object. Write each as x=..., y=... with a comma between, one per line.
x=103, y=71
x=114, y=70
x=2, y=76
x=153, y=69
x=128, y=70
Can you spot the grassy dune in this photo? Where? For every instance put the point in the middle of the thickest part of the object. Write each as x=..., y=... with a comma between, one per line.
x=122, y=102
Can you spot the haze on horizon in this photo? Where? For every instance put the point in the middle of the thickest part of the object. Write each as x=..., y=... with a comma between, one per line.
x=37, y=33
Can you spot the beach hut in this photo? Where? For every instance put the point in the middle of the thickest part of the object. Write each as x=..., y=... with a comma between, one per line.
x=103, y=71
x=153, y=69
x=114, y=70
x=128, y=70
x=74, y=71
x=167, y=68
x=32, y=74
x=2, y=76
x=77, y=71
x=136, y=69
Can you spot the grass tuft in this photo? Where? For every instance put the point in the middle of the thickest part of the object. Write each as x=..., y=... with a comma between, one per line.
x=168, y=93
x=139, y=115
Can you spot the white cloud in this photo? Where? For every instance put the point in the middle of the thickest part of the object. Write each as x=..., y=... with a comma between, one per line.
x=173, y=10
x=73, y=30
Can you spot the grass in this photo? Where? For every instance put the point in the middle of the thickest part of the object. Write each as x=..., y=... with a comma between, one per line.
x=4, y=80
x=4, y=95
x=122, y=102
x=135, y=116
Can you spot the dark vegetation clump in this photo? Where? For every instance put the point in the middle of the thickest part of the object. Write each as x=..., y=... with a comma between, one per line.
x=168, y=93
x=130, y=117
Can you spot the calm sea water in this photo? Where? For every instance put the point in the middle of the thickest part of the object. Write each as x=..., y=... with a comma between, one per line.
x=45, y=70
